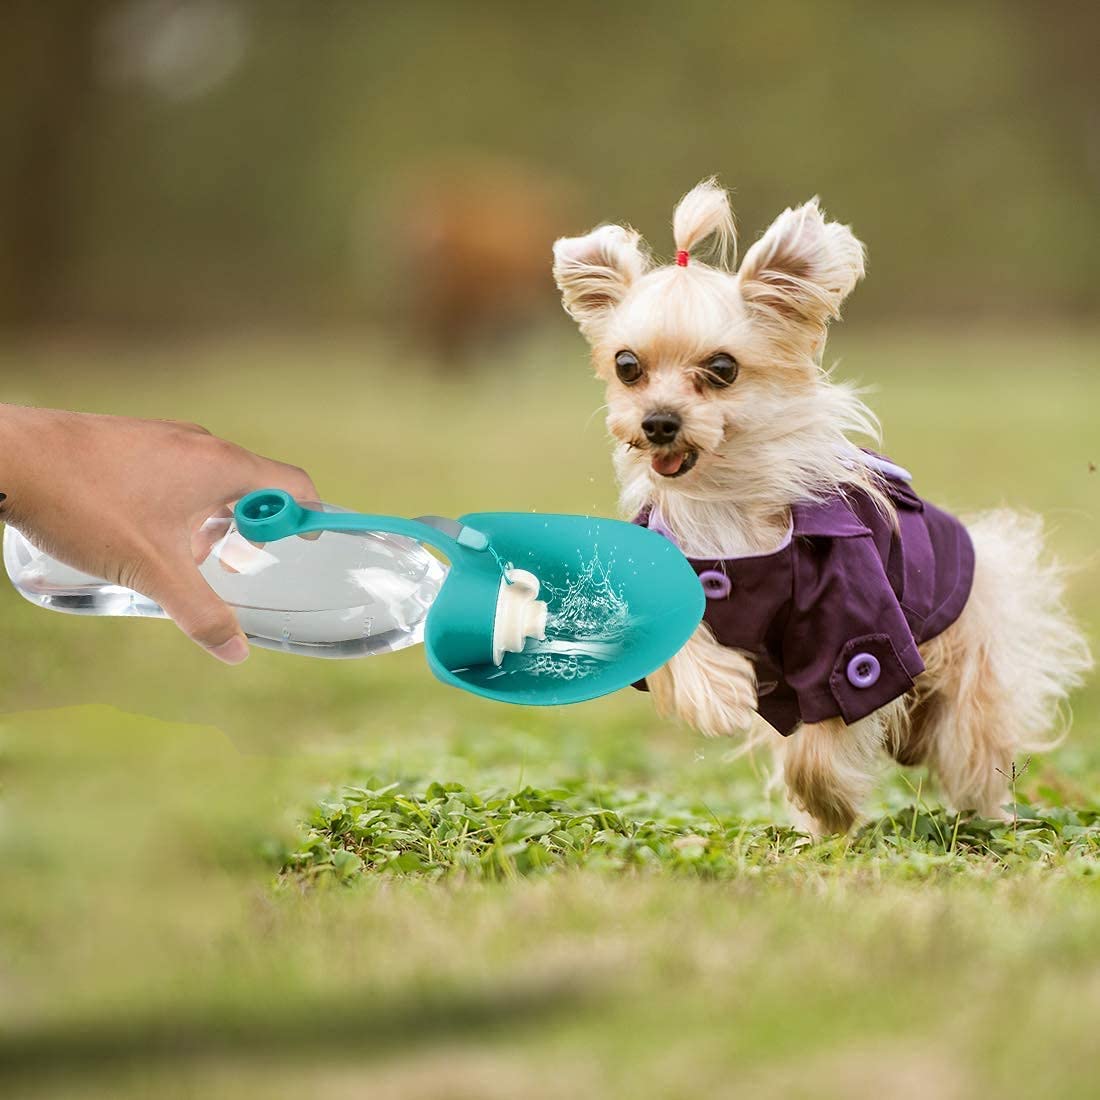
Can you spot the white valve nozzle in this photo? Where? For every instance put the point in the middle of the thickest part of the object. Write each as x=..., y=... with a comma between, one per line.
x=520, y=614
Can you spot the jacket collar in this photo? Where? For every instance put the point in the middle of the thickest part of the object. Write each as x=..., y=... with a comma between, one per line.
x=833, y=517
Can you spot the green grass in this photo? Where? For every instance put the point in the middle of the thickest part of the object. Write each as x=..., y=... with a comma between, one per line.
x=338, y=877
x=449, y=829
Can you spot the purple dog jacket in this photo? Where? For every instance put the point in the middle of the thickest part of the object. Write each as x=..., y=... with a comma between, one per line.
x=832, y=620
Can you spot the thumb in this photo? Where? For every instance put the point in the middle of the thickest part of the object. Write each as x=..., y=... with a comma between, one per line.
x=200, y=613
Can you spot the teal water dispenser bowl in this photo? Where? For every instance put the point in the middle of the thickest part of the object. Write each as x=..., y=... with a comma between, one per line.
x=536, y=609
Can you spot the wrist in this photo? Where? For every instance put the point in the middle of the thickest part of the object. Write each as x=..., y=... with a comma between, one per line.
x=26, y=434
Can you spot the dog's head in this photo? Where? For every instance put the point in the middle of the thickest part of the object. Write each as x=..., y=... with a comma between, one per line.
x=714, y=383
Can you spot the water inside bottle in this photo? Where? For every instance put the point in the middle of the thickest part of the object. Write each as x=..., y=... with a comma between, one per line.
x=341, y=594
x=49, y=583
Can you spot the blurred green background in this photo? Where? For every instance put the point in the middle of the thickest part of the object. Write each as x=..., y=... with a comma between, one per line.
x=200, y=162
x=279, y=219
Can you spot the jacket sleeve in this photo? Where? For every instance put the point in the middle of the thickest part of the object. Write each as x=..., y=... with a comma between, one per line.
x=847, y=647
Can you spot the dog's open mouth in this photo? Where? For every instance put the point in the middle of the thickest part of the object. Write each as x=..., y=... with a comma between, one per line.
x=674, y=464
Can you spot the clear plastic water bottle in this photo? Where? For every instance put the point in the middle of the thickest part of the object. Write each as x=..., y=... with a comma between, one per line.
x=334, y=594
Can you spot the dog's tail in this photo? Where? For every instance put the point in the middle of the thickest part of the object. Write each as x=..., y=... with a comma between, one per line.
x=998, y=679
x=1034, y=651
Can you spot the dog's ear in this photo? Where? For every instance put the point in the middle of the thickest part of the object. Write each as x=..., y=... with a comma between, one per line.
x=801, y=270
x=594, y=273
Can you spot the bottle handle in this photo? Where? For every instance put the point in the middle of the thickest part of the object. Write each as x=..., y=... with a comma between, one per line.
x=268, y=515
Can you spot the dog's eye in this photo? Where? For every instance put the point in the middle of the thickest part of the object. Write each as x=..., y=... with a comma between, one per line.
x=721, y=369
x=627, y=367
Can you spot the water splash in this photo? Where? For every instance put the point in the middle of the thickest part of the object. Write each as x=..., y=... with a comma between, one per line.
x=586, y=627
x=589, y=607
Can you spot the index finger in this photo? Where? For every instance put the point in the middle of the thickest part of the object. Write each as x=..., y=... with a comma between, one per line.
x=270, y=474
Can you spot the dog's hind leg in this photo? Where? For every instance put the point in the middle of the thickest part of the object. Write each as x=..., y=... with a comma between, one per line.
x=829, y=768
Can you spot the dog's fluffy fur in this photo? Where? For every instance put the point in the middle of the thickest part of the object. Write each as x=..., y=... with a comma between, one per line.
x=995, y=680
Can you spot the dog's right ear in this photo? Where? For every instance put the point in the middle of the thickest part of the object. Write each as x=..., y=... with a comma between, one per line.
x=594, y=273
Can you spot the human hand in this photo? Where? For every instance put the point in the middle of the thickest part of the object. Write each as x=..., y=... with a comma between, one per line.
x=125, y=499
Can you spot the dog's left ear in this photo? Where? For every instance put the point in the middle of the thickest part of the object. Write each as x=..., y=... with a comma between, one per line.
x=802, y=269
x=594, y=273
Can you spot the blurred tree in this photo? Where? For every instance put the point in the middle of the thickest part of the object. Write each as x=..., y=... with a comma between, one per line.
x=47, y=85
x=190, y=162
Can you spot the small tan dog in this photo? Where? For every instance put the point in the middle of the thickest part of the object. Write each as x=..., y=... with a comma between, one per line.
x=851, y=614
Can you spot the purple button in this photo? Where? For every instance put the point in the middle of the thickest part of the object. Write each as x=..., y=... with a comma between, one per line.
x=716, y=586
x=863, y=670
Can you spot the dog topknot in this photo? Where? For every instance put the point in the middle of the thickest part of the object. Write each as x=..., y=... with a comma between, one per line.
x=703, y=226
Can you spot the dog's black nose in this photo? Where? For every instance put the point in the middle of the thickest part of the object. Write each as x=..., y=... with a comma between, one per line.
x=661, y=427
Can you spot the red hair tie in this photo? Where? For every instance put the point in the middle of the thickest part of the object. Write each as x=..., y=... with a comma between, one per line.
x=682, y=258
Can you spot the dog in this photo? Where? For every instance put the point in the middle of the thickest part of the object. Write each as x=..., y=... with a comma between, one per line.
x=858, y=619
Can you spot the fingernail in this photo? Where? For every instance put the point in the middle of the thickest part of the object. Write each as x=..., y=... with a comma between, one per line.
x=232, y=652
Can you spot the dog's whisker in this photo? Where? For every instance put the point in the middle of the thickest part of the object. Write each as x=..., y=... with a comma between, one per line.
x=592, y=415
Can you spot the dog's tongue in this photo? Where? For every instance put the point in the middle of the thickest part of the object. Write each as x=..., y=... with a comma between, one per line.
x=668, y=464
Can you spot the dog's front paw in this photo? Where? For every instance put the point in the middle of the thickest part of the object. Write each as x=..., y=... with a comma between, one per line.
x=710, y=687
x=719, y=714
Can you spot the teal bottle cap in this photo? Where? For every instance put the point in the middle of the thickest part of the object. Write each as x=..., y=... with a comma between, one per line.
x=268, y=515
